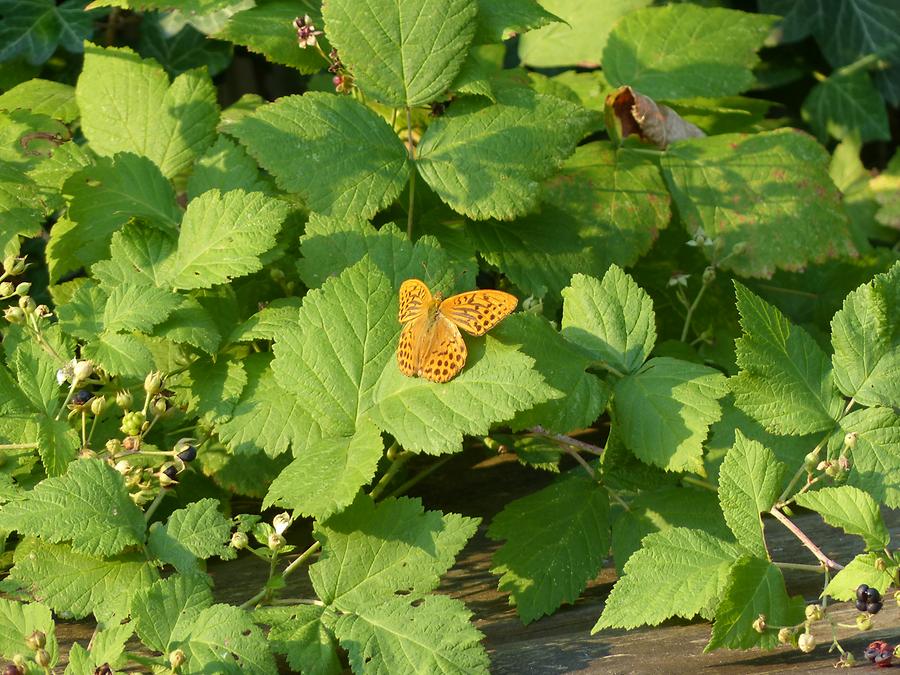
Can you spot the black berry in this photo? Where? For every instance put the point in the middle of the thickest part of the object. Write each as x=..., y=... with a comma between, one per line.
x=873, y=607
x=171, y=472
x=12, y=669
x=861, y=592
x=103, y=669
x=189, y=454
x=862, y=605
x=872, y=595
x=81, y=397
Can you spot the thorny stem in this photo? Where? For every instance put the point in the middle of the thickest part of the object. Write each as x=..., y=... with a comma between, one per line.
x=578, y=458
x=692, y=308
x=806, y=541
x=562, y=439
x=412, y=173
x=800, y=472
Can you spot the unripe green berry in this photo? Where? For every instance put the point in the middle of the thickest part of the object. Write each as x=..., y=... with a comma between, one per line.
x=276, y=541
x=97, y=405
x=239, y=540
x=27, y=304
x=863, y=622
x=6, y=289
x=14, y=315
x=37, y=640
x=23, y=288
x=806, y=642
x=811, y=461
x=132, y=423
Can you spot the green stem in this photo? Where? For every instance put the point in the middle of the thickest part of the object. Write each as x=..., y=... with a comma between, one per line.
x=148, y=514
x=562, y=439
x=420, y=476
x=20, y=446
x=303, y=557
x=83, y=429
x=68, y=397
x=800, y=567
x=578, y=458
x=412, y=173
x=91, y=432
x=396, y=465
x=700, y=483
x=691, y=309
x=616, y=498
x=800, y=472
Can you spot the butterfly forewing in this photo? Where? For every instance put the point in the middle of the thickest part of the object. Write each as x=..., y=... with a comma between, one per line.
x=407, y=350
x=415, y=299
x=476, y=312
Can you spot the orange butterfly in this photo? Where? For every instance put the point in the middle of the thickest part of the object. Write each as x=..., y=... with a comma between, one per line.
x=430, y=344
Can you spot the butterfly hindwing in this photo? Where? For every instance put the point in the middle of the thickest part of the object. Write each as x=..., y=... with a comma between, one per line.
x=415, y=299
x=476, y=312
x=446, y=352
x=407, y=350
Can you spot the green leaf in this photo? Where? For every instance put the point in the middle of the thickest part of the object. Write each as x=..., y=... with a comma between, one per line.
x=850, y=509
x=499, y=20
x=266, y=29
x=299, y=634
x=108, y=645
x=372, y=552
x=348, y=161
x=754, y=587
x=582, y=225
x=684, y=50
x=326, y=476
x=875, y=459
x=138, y=307
x=181, y=50
x=225, y=166
x=344, y=337
x=750, y=481
x=556, y=541
x=661, y=509
x=201, y=529
x=497, y=382
x=89, y=506
x=128, y=105
x=402, y=52
x=215, y=388
x=785, y=381
x=223, y=639
x=36, y=374
x=433, y=635
x=267, y=418
x=563, y=367
x=58, y=444
x=275, y=317
x=44, y=97
x=847, y=105
x=138, y=254
x=866, y=338
x=330, y=245
x=19, y=620
x=768, y=194
x=165, y=610
x=223, y=235
x=21, y=212
x=612, y=319
x=579, y=38
x=34, y=29
x=103, y=197
x=68, y=581
x=119, y=354
x=664, y=411
x=191, y=324
x=863, y=569
x=678, y=572
x=486, y=161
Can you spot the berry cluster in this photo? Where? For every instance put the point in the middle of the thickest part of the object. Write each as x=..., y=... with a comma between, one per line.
x=868, y=599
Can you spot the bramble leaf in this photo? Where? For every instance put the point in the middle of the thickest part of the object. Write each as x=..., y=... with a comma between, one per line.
x=43, y=97
x=863, y=569
x=432, y=635
x=850, y=509
x=223, y=235
x=786, y=380
x=750, y=481
x=80, y=584
x=664, y=411
x=162, y=611
x=35, y=28
x=875, y=465
x=866, y=338
x=611, y=319
x=128, y=105
x=137, y=307
x=298, y=633
x=767, y=198
x=498, y=20
x=556, y=541
x=677, y=572
x=224, y=166
x=325, y=477
x=89, y=506
x=21, y=212
x=683, y=50
x=754, y=587
x=201, y=529
x=847, y=105
x=486, y=161
x=359, y=569
x=19, y=620
x=579, y=38
x=401, y=52
x=347, y=160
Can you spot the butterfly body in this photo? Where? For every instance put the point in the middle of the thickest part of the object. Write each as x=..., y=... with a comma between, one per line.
x=431, y=345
